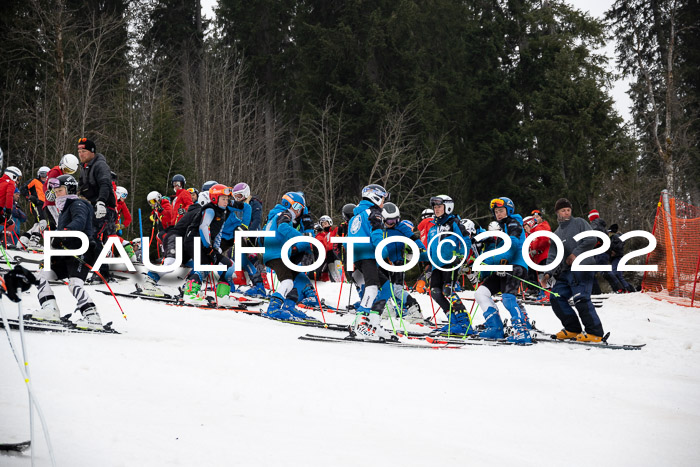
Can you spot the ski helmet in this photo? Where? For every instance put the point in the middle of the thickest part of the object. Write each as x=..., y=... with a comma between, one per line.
x=530, y=221
x=203, y=198
x=375, y=193
x=208, y=185
x=51, y=183
x=443, y=200
x=317, y=228
x=502, y=202
x=69, y=164
x=218, y=190
x=13, y=172
x=469, y=226
x=348, y=211
x=493, y=226
x=69, y=182
x=293, y=200
x=390, y=211
x=427, y=213
x=193, y=191
x=326, y=219
x=241, y=189
x=154, y=198
x=42, y=172
x=122, y=193
x=179, y=179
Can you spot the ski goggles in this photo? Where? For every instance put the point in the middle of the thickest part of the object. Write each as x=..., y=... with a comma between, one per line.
x=152, y=202
x=437, y=201
x=497, y=203
x=296, y=205
x=391, y=222
x=238, y=196
x=193, y=191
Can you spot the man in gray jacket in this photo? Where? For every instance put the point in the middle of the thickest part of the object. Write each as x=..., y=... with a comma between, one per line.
x=573, y=284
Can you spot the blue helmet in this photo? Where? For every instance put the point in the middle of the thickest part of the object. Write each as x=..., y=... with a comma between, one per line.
x=179, y=178
x=294, y=200
x=501, y=202
x=208, y=185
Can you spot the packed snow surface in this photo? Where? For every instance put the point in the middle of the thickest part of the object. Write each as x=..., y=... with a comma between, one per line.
x=185, y=386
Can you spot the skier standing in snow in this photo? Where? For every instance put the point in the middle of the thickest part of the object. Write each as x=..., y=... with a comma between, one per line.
x=208, y=226
x=573, y=284
x=406, y=305
x=33, y=192
x=503, y=211
x=368, y=222
x=68, y=165
x=446, y=252
x=281, y=220
x=76, y=214
x=183, y=198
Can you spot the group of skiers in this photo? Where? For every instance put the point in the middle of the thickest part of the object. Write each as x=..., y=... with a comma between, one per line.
x=446, y=245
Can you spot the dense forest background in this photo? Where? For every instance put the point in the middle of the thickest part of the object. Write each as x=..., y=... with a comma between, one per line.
x=474, y=99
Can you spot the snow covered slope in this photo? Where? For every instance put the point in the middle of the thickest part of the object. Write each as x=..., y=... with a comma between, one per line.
x=189, y=387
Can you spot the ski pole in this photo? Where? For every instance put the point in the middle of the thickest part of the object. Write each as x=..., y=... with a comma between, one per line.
x=318, y=299
x=530, y=283
x=84, y=263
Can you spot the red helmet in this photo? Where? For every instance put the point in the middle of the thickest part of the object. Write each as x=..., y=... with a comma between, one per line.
x=218, y=190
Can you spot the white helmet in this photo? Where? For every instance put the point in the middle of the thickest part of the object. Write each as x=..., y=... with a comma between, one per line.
x=69, y=164
x=493, y=226
x=325, y=219
x=13, y=172
x=43, y=171
x=241, y=189
x=443, y=200
x=154, y=197
x=375, y=194
x=427, y=213
x=136, y=241
x=122, y=193
x=390, y=211
x=203, y=198
x=469, y=226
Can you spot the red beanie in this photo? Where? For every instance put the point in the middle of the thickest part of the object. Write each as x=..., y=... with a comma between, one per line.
x=593, y=215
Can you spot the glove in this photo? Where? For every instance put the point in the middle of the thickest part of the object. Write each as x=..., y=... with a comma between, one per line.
x=50, y=196
x=18, y=278
x=473, y=278
x=375, y=218
x=180, y=211
x=501, y=273
x=100, y=210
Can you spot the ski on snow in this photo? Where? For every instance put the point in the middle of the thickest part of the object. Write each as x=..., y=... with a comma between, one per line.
x=64, y=327
x=18, y=447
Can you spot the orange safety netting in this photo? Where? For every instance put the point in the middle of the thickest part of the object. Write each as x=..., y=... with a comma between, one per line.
x=677, y=254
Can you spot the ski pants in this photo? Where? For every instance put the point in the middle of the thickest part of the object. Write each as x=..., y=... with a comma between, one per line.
x=576, y=285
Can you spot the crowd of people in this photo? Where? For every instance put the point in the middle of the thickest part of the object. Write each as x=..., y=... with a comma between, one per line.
x=205, y=221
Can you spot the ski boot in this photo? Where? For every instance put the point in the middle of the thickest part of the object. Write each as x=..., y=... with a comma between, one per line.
x=275, y=310
x=565, y=335
x=149, y=287
x=308, y=297
x=493, y=327
x=583, y=337
x=223, y=289
x=91, y=319
x=49, y=311
x=290, y=306
x=520, y=333
x=257, y=290
x=458, y=324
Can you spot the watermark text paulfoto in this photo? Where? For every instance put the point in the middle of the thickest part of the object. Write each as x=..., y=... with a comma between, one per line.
x=457, y=248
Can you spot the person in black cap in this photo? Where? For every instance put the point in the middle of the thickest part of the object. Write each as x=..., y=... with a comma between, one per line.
x=96, y=187
x=576, y=284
